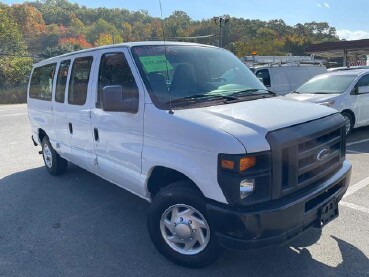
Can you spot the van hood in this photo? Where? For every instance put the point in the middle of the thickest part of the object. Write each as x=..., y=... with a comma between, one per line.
x=310, y=97
x=250, y=121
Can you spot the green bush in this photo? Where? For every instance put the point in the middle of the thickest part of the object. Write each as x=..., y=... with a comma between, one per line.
x=13, y=95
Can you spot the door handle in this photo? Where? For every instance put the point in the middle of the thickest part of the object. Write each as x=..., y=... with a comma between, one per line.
x=96, y=134
x=70, y=128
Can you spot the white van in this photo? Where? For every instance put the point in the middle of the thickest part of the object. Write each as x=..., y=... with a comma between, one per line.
x=284, y=79
x=346, y=91
x=187, y=127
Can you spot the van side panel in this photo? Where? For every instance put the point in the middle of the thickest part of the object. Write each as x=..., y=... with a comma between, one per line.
x=118, y=136
x=79, y=103
x=40, y=108
x=60, y=121
x=280, y=82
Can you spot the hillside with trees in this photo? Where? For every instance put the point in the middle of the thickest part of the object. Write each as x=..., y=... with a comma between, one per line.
x=34, y=31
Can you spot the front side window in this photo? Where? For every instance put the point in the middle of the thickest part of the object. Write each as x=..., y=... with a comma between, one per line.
x=186, y=75
x=41, y=86
x=327, y=84
x=264, y=76
x=61, y=81
x=115, y=71
x=78, y=84
x=363, y=84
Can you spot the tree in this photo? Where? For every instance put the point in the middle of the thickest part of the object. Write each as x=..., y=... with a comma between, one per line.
x=177, y=24
x=76, y=26
x=15, y=65
x=126, y=31
x=59, y=50
x=106, y=39
x=30, y=23
x=100, y=27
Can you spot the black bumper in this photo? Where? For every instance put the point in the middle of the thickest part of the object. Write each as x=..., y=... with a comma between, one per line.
x=275, y=223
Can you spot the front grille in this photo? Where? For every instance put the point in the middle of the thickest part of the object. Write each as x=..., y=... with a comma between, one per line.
x=309, y=169
x=307, y=154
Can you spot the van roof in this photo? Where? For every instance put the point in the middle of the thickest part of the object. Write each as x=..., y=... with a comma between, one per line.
x=120, y=45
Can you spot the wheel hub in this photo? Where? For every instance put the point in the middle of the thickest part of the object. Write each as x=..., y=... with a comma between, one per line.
x=47, y=156
x=183, y=231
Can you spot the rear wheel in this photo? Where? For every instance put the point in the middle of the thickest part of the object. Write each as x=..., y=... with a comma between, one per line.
x=349, y=122
x=179, y=229
x=55, y=164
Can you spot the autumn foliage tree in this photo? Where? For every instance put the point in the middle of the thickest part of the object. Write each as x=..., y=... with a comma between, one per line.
x=15, y=64
x=43, y=29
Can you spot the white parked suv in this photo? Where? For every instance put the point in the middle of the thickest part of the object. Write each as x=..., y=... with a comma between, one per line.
x=189, y=128
x=346, y=91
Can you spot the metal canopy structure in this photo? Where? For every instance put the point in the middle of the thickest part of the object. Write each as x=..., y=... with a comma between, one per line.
x=346, y=49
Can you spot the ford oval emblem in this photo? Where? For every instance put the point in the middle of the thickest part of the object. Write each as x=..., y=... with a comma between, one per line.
x=322, y=155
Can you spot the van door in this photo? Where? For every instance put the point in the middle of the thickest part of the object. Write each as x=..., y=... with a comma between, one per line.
x=60, y=110
x=79, y=114
x=362, y=101
x=118, y=136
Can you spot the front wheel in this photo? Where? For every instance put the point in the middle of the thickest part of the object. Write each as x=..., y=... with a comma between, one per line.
x=179, y=229
x=349, y=121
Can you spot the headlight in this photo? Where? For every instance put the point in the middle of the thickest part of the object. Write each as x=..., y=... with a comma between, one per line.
x=327, y=103
x=245, y=178
x=247, y=187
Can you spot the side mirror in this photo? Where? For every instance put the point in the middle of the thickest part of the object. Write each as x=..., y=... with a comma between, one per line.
x=115, y=99
x=363, y=89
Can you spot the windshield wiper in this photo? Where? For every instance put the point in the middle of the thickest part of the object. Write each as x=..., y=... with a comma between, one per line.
x=248, y=92
x=205, y=97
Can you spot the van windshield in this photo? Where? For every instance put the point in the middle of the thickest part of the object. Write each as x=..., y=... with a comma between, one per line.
x=191, y=75
x=327, y=84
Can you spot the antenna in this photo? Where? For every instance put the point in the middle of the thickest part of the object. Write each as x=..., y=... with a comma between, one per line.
x=165, y=54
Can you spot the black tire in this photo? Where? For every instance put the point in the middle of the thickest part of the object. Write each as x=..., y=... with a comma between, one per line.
x=350, y=120
x=182, y=193
x=55, y=164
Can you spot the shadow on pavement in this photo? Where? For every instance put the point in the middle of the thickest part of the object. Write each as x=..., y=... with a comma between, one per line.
x=79, y=224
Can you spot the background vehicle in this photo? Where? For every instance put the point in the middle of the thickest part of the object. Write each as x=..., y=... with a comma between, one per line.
x=283, y=74
x=346, y=91
x=224, y=163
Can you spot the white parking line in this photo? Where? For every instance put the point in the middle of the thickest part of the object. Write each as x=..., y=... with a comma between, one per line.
x=354, y=152
x=355, y=207
x=354, y=188
x=356, y=142
x=12, y=114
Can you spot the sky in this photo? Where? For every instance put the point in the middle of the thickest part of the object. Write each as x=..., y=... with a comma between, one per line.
x=349, y=17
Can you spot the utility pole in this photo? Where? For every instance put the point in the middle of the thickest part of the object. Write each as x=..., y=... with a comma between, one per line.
x=221, y=22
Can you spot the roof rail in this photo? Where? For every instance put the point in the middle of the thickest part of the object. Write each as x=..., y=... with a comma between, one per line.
x=280, y=60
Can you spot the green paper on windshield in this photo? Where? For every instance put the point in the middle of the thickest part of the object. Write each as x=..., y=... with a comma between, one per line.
x=155, y=63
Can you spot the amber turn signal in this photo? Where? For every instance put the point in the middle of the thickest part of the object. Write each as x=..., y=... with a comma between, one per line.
x=226, y=164
x=247, y=162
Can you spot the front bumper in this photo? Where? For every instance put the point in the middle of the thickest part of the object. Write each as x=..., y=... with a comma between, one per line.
x=276, y=222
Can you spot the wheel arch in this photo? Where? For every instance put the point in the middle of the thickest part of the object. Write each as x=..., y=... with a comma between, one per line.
x=161, y=176
x=41, y=134
x=351, y=113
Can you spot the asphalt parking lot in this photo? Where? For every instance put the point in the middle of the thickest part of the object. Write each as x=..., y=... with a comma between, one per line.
x=81, y=225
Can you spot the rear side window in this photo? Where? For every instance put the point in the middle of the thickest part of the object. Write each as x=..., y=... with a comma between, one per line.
x=78, y=83
x=263, y=76
x=114, y=70
x=61, y=82
x=41, y=86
